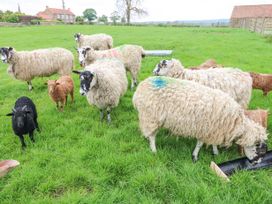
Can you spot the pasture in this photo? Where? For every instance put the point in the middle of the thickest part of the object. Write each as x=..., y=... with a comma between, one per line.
x=78, y=159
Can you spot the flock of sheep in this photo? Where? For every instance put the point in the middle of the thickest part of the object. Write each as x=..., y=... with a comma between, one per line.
x=208, y=102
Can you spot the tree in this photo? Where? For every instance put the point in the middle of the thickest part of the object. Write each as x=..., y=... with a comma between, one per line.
x=90, y=14
x=103, y=19
x=79, y=20
x=115, y=17
x=127, y=8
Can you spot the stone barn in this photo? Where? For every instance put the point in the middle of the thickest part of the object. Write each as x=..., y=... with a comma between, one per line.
x=256, y=18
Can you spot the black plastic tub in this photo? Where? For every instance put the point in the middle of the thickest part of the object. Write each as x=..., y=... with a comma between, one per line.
x=230, y=167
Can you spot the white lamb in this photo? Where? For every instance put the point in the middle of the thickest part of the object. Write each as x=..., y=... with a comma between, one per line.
x=190, y=109
x=26, y=65
x=130, y=55
x=236, y=83
x=96, y=41
x=104, y=82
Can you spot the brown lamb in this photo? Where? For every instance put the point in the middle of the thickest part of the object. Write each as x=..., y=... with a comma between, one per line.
x=262, y=82
x=259, y=116
x=210, y=63
x=59, y=90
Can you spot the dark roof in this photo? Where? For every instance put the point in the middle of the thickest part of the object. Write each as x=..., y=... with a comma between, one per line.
x=252, y=11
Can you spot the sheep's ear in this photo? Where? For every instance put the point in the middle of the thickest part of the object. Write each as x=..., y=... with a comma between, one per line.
x=10, y=49
x=76, y=72
x=10, y=114
x=88, y=48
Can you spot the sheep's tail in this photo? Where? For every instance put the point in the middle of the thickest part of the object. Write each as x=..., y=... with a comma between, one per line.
x=143, y=53
x=110, y=44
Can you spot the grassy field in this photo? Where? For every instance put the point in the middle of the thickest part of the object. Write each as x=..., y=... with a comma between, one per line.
x=78, y=159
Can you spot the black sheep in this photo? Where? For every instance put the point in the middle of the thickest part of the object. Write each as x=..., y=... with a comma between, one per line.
x=24, y=118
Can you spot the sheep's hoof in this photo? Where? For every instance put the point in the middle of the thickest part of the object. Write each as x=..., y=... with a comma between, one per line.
x=194, y=158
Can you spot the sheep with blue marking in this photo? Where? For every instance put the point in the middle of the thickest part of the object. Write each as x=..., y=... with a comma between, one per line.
x=236, y=83
x=190, y=109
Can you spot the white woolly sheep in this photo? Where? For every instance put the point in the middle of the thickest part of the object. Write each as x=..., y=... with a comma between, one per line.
x=130, y=55
x=190, y=109
x=26, y=65
x=96, y=41
x=104, y=82
x=236, y=83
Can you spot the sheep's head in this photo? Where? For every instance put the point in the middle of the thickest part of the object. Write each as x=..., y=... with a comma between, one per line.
x=77, y=36
x=256, y=152
x=168, y=68
x=83, y=53
x=87, y=81
x=19, y=116
x=6, y=53
x=51, y=84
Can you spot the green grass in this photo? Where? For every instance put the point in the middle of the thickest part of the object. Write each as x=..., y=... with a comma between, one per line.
x=78, y=159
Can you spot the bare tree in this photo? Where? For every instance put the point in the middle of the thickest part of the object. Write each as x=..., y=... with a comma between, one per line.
x=128, y=8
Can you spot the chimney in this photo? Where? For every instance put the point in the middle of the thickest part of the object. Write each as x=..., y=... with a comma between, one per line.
x=63, y=4
x=47, y=7
x=19, y=8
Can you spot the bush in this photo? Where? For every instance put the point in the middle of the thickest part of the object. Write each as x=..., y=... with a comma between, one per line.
x=35, y=22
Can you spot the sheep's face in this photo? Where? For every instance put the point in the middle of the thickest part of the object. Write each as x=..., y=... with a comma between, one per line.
x=19, y=116
x=163, y=68
x=256, y=153
x=77, y=36
x=6, y=54
x=82, y=55
x=51, y=84
x=87, y=81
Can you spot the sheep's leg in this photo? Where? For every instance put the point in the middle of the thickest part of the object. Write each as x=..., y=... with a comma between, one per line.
x=101, y=114
x=31, y=136
x=152, y=143
x=37, y=125
x=30, y=87
x=66, y=99
x=72, y=96
x=199, y=144
x=62, y=104
x=108, y=116
x=215, y=150
x=265, y=93
x=22, y=141
x=132, y=85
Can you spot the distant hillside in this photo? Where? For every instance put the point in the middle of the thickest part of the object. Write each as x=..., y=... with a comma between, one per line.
x=214, y=22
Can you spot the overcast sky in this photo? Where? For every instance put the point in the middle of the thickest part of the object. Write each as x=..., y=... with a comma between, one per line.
x=158, y=10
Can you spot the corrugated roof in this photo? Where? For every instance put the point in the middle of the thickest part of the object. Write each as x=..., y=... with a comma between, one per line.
x=249, y=11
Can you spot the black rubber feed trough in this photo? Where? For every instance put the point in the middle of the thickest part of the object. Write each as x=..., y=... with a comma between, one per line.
x=228, y=168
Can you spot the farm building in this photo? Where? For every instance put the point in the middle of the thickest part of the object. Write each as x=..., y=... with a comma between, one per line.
x=256, y=18
x=52, y=14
